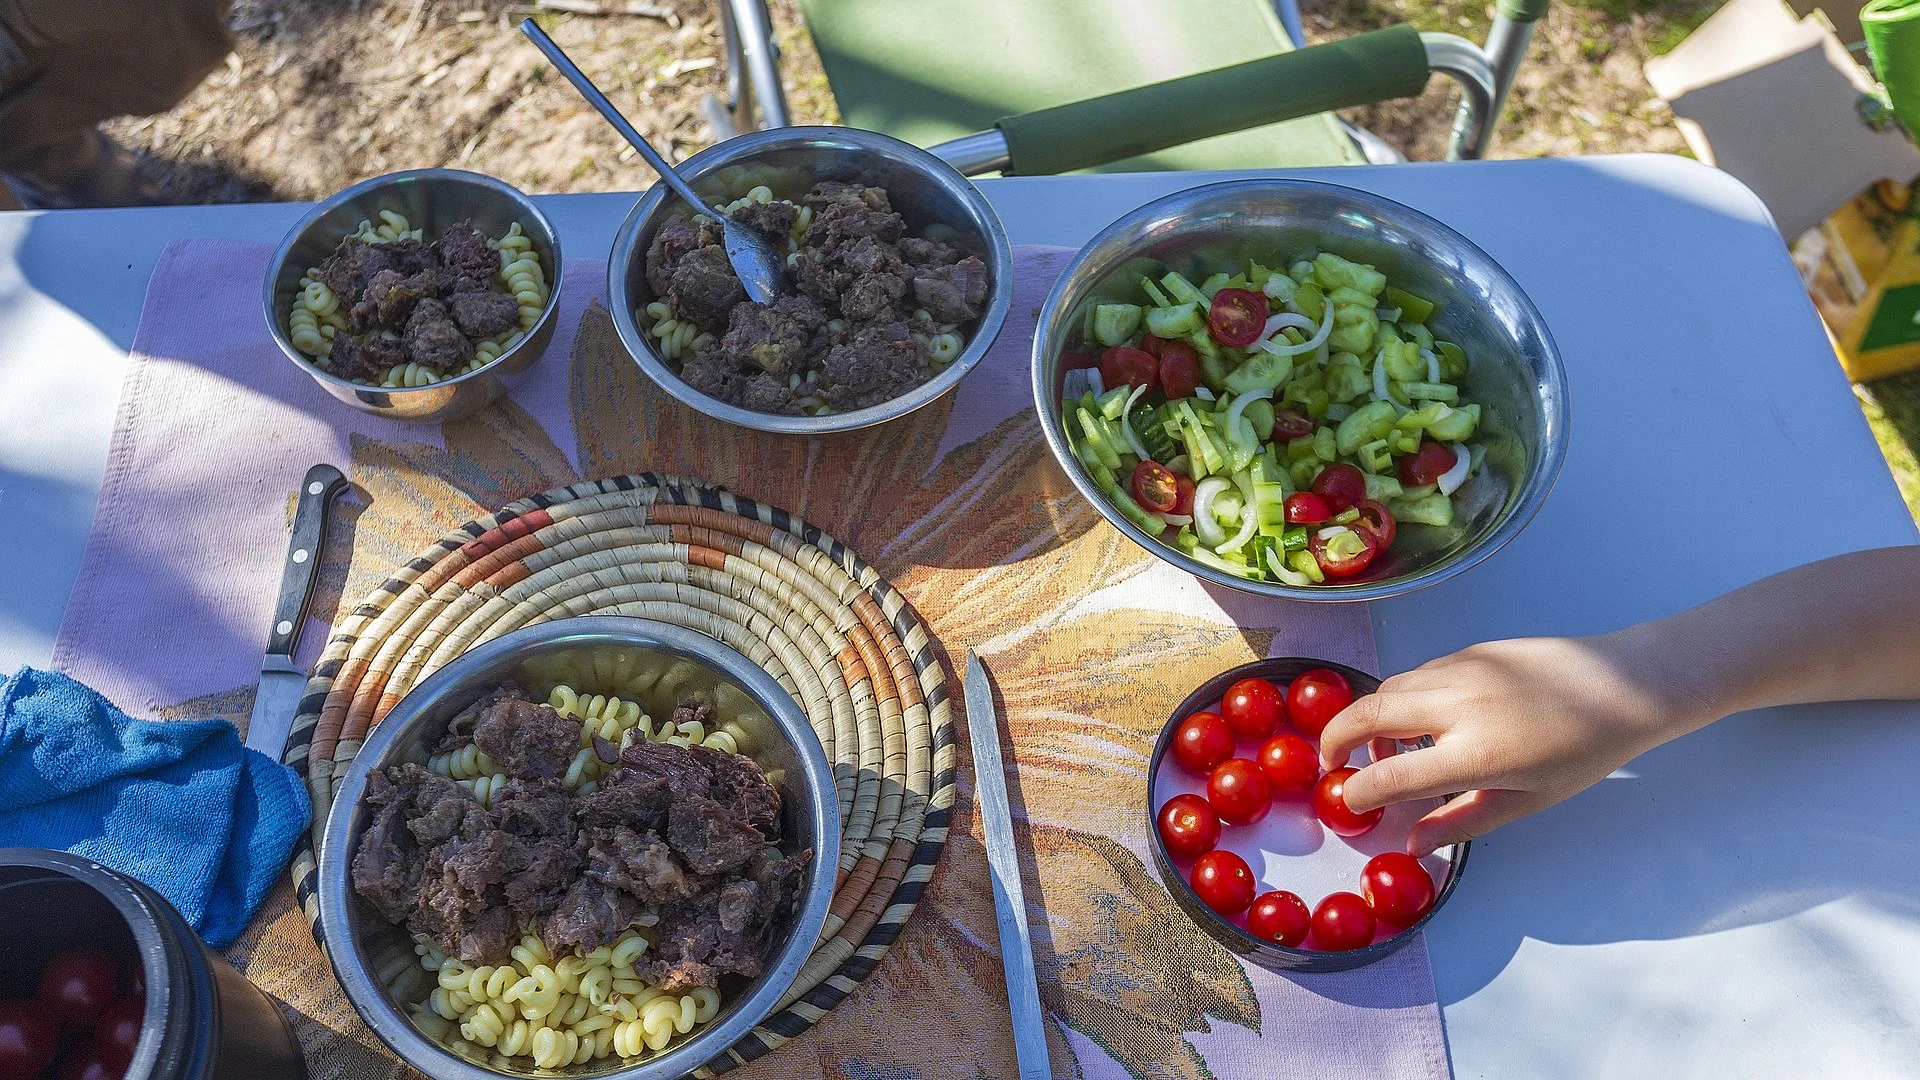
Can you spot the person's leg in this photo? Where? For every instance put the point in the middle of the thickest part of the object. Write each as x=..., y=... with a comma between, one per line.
x=65, y=66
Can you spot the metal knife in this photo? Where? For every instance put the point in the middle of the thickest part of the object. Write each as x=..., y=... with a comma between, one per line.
x=1003, y=863
x=281, y=681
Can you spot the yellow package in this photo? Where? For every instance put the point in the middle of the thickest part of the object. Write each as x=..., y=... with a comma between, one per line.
x=1862, y=267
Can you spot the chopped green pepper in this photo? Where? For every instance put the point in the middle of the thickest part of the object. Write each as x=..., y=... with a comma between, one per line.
x=1413, y=309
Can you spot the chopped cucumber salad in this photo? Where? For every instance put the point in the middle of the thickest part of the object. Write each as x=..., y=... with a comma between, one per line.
x=1276, y=424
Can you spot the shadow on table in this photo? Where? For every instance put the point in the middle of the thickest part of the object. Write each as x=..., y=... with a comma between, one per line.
x=1693, y=839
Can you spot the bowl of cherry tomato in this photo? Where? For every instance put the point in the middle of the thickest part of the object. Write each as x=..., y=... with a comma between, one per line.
x=1254, y=840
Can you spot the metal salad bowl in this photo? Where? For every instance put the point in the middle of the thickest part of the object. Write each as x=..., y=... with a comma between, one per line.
x=1515, y=372
x=375, y=961
x=933, y=197
x=431, y=200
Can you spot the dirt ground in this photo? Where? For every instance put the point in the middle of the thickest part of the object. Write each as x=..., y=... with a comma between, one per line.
x=321, y=93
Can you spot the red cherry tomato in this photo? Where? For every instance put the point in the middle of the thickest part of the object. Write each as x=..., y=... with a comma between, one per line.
x=1223, y=882
x=1237, y=316
x=1179, y=369
x=1279, y=916
x=1290, y=764
x=1397, y=887
x=1188, y=826
x=1202, y=742
x=1289, y=425
x=1376, y=521
x=1341, y=484
x=78, y=984
x=1183, y=498
x=1306, y=508
x=1315, y=697
x=1342, y=921
x=1426, y=465
x=1070, y=361
x=1252, y=708
x=1343, y=551
x=1330, y=806
x=1135, y=367
x=29, y=1037
x=86, y=1063
x=1155, y=487
x=1149, y=343
x=118, y=1032
x=1238, y=791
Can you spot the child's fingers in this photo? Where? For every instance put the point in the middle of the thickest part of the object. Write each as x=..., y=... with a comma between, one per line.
x=1376, y=716
x=1471, y=815
x=1440, y=769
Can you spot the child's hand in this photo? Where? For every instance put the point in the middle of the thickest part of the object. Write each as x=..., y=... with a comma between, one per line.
x=1518, y=725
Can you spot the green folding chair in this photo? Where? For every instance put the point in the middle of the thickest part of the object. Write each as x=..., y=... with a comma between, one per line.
x=1034, y=87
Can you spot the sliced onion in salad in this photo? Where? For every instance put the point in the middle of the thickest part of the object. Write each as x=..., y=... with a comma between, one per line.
x=1249, y=519
x=1126, y=425
x=1380, y=374
x=1205, y=525
x=1204, y=393
x=1433, y=365
x=1237, y=412
x=1451, y=480
x=1285, y=573
x=1279, y=322
x=1094, y=380
x=1176, y=520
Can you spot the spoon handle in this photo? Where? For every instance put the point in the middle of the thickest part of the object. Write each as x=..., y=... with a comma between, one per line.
x=599, y=101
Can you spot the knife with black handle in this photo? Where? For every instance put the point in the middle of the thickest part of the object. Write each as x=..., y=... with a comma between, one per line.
x=281, y=680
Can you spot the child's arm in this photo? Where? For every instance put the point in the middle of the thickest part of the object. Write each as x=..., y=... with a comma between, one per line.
x=1522, y=724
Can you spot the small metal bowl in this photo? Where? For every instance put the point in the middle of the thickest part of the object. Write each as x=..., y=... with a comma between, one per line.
x=925, y=190
x=763, y=718
x=1279, y=670
x=1516, y=373
x=431, y=200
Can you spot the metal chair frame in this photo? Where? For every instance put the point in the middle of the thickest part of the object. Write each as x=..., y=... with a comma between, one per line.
x=1484, y=73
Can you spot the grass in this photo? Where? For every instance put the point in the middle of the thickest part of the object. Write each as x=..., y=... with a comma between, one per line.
x=1892, y=406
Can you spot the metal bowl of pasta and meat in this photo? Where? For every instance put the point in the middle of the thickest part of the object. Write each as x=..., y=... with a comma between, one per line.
x=938, y=205
x=658, y=667
x=1512, y=367
x=429, y=201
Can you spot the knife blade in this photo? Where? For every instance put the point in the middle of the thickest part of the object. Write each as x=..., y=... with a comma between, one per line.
x=282, y=682
x=1003, y=864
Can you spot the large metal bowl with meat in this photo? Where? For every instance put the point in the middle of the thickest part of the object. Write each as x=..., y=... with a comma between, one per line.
x=658, y=665
x=935, y=202
x=431, y=200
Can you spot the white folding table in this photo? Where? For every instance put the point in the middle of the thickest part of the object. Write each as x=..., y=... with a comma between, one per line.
x=1743, y=902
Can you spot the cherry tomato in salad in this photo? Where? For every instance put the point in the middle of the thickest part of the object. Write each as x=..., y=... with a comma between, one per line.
x=1154, y=487
x=1183, y=499
x=1315, y=697
x=1306, y=508
x=1289, y=425
x=1397, y=887
x=1342, y=921
x=1188, y=826
x=1237, y=316
x=1223, y=881
x=1070, y=361
x=1330, y=806
x=1290, y=764
x=1426, y=465
x=1280, y=917
x=29, y=1038
x=1252, y=708
x=1179, y=369
x=1342, y=550
x=1376, y=520
x=1202, y=742
x=1152, y=344
x=1135, y=367
x=118, y=1032
x=78, y=984
x=1238, y=791
x=1341, y=484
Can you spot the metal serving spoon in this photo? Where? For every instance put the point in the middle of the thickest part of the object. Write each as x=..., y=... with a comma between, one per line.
x=754, y=260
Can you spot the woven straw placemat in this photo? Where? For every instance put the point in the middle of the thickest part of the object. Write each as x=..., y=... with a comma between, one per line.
x=834, y=633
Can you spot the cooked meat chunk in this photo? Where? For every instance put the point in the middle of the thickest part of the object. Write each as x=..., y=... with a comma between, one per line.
x=953, y=294
x=772, y=338
x=672, y=243
x=770, y=394
x=738, y=784
x=626, y=799
x=773, y=220
x=471, y=265
x=370, y=359
x=841, y=223
x=390, y=297
x=641, y=864
x=836, y=193
x=699, y=942
x=484, y=314
x=680, y=768
x=714, y=375
x=710, y=838
x=588, y=917
x=434, y=341
x=915, y=251
x=878, y=363
x=704, y=289
x=386, y=865
x=526, y=739
x=355, y=263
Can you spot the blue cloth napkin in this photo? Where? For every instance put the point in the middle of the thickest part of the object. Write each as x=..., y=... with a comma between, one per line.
x=182, y=806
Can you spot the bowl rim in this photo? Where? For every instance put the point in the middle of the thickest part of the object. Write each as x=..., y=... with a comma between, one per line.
x=347, y=194
x=739, y=150
x=1532, y=494
x=1271, y=954
x=707, y=1043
